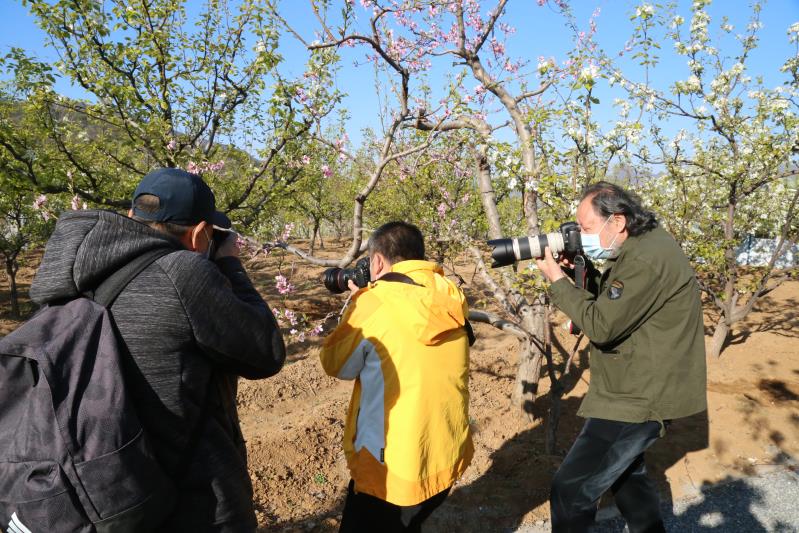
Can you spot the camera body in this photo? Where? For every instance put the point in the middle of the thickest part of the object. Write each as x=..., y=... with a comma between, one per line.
x=508, y=251
x=336, y=279
x=218, y=237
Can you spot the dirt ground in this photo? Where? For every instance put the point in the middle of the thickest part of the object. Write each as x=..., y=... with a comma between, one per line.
x=293, y=422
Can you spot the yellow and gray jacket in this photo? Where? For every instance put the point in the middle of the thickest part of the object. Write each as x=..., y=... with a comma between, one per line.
x=407, y=434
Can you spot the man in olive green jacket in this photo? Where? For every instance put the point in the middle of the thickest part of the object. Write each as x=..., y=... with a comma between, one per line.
x=643, y=316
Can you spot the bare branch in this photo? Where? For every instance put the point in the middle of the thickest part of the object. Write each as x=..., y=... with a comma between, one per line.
x=544, y=86
x=507, y=326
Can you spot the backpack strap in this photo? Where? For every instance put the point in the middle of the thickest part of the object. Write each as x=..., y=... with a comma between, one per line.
x=106, y=293
x=108, y=290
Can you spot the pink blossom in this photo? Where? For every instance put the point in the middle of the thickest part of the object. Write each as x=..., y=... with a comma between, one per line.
x=442, y=209
x=283, y=287
x=215, y=167
x=497, y=47
x=75, y=204
x=306, y=159
x=326, y=172
x=172, y=145
x=317, y=330
x=511, y=66
x=287, y=229
x=300, y=94
x=39, y=202
x=193, y=167
x=507, y=29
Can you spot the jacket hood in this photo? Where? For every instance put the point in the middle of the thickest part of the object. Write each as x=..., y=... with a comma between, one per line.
x=432, y=308
x=87, y=247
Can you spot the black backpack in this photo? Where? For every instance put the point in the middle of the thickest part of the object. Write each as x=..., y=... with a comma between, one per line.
x=73, y=455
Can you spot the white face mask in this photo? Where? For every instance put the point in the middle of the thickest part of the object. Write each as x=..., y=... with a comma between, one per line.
x=592, y=247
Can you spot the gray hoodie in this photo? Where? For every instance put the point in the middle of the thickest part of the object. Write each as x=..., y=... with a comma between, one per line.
x=192, y=326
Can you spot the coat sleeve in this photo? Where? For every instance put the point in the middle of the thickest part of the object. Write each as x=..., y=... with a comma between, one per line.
x=230, y=321
x=610, y=316
x=344, y=351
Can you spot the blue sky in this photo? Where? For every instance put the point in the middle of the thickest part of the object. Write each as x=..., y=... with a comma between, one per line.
x=540, y=32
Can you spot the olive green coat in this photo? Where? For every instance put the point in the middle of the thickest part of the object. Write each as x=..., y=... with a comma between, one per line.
x=644, y=320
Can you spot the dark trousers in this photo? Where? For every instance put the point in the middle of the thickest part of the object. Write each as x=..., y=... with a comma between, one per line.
x=607, y=455
x=364, y=513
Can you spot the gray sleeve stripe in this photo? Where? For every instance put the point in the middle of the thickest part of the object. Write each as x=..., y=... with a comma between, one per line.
x=352, y=368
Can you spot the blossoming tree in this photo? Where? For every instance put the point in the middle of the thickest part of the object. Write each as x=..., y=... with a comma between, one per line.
x=731, y=170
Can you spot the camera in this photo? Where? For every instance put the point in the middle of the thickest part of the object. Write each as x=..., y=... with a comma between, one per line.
x=218, y=237
x=508, y=251
x=336, y=279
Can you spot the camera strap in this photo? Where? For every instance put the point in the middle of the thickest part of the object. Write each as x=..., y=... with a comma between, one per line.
x=397, y=277
x=579, y=282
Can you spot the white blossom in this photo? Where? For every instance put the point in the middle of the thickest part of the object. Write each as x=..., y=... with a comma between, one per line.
x=644, y=11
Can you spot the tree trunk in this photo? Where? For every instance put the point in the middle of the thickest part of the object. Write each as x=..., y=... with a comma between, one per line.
x=313, y=236
x=11, y=272
x=531, y=359
x=719, y=337
x=553, y=420
x=527, y=378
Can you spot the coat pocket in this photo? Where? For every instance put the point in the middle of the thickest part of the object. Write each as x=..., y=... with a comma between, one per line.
x=37, y=496
x=618, y=368
x=127, y=487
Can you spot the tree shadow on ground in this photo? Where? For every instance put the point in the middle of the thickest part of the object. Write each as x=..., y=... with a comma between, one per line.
x=732, y=505
x=780, y=318
x=516, y=483
x=518, y=480
x=684, y=435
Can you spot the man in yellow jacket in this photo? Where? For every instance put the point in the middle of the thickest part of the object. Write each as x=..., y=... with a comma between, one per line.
x=405, y=341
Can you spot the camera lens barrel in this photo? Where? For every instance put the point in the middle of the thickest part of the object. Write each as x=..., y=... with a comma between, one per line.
x=508, y=251
x=539, y=242
x=335, y=280
x=503, y=252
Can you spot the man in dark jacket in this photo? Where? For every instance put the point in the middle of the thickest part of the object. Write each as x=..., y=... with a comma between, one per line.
x=192, y=325
x=644, y=320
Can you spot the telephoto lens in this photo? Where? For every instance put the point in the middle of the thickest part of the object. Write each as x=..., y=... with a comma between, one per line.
x=508, y=251
x=335, y=279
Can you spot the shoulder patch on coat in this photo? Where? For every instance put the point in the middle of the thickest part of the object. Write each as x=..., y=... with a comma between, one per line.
x=615, y=290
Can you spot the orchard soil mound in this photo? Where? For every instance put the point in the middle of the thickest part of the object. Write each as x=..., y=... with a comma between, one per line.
x=293, y=422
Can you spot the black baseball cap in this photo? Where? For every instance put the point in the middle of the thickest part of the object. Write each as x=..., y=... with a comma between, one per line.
x=184, y=198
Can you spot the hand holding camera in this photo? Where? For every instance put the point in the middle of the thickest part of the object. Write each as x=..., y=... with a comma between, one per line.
x=549, y=267
x=225, y=243
x=566, y=242
x=338, y=280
